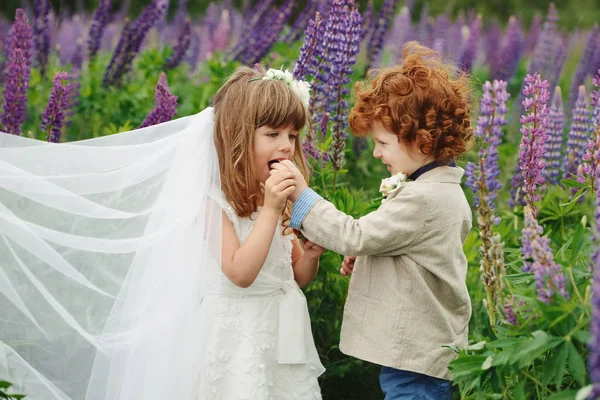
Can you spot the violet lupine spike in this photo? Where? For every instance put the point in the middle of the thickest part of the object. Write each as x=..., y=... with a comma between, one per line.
x=301, y=22
x=382, y=24
x=99, y=21
x=222, y=32
x=266, y=35
x=342, y=58
x=539, y=259
x=252, y=26
x=368, y=20
x=580, y=134
x=424, y=30
x=542, y=61
x=585, y=61
x=534, y=126
x=533, y=34
x=16, y=78
x=595, y=100
x=511, y=50
x=591, y=158
x=595, y=62
x=41, y=33
x=493, y=39
x=594, y=344
x=560, y=56
x=483, y=180
x=312, y=49
x=116, y=66
x=554, y=144
x=166, y=104
x=471, y=45
x=131, y=41
x=398, y=35
x=53, y=118
x=182, y=46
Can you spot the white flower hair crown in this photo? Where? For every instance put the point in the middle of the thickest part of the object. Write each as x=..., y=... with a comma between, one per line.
x=300, y=88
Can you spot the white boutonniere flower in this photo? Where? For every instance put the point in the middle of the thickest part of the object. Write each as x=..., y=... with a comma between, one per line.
x=392, y=184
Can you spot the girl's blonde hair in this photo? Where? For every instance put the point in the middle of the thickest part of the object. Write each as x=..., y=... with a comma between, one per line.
x=244, y=103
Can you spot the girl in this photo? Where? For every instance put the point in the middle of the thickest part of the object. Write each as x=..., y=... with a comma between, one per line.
x=408, y=304
x=158, y=263
x=262, y=347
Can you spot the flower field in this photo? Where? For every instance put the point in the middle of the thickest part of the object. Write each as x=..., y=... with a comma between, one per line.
x=533, y=177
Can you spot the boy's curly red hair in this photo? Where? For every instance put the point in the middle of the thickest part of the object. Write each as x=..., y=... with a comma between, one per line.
x=419, y=102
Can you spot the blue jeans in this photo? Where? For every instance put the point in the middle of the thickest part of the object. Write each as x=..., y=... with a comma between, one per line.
x=406, y=385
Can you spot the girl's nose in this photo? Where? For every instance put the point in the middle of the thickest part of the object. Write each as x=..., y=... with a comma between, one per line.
x=376, y=153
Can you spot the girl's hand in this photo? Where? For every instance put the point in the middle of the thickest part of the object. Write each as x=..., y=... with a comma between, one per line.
x=312, y=250
x=277, y=189
x=347, y=265
x=301, y=184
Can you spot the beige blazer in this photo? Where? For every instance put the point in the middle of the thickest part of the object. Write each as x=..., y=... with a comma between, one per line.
x=407, y=296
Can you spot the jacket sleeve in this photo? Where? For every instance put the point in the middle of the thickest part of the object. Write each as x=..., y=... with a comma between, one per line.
x=388, y=231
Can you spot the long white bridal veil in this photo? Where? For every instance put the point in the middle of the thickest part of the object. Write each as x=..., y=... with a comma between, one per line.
x=107, y=247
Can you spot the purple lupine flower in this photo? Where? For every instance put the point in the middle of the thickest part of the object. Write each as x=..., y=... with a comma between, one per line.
x=511, y=50
x=368, y=20
x=541, y=62
x=312, y=49
x=483, y=178
x=591, y=158
x=509, y=312
x=182, y=46
x=534, y=126
x=382, y=24
x=41, y=32
x=398, y=34
x=554, y=144
x=54, y=115
x=424, y=29
x=342, y=57
x=440, y=29
x=596, y=100
x=301, y=22
x=222, y=33
x=470, y=46
x=266, y=34
x=539, y=259
x=595, y=61
x=594, y=344
x=131, y=41
x=166, y=104
x=97, y=26
x=493, y=39
x=116, y=66
x=580, y=133
x=253, y=22
x=560, y=56
x=583, y=68
x=76, y=64
x=534, y=33
x=16, y=79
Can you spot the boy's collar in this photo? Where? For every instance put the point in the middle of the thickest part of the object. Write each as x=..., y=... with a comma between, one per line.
x=428, y=167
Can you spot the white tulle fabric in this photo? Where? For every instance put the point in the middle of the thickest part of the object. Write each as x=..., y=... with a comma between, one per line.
x=108, y=247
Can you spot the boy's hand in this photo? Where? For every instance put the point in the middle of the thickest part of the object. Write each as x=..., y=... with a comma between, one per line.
x=301, y=184
x=347, y=265
x=312, y=250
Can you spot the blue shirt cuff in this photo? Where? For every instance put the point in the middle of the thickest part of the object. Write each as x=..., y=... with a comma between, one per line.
x=302, y=206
